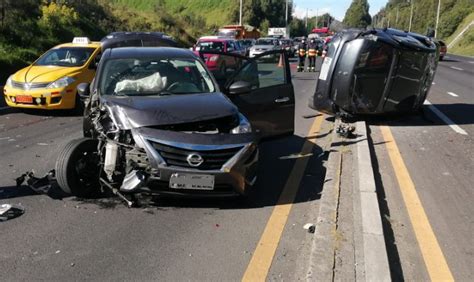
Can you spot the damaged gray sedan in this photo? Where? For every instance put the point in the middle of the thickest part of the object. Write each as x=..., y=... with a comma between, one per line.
x=157, y=121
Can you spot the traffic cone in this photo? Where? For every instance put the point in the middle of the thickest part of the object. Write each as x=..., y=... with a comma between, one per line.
x=280, y=63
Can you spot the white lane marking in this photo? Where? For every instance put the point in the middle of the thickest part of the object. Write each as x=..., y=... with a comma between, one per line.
x=471, y=62
x=453, y=94
x=456, y=68
x=447, y=120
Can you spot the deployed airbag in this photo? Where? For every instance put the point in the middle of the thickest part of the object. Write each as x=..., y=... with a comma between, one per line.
x=152, y=83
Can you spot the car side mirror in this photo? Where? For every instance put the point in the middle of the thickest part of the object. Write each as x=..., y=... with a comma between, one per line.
x=83, y=90
x=240, y=87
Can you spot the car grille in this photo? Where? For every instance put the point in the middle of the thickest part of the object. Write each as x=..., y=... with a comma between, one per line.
x=27, y=86
x=213, y=159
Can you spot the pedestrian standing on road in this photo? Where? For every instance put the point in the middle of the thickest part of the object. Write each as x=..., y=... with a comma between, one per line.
x=301, y=55
x=312, y=49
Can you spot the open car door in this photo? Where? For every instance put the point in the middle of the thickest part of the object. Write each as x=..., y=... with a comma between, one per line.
x=260, y=87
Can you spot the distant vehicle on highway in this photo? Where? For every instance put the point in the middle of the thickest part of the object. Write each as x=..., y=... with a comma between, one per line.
x=239, y=32
x=247, y=44
x=263, y=45
x=443, y=49
x=218, y=44
x=287, y=45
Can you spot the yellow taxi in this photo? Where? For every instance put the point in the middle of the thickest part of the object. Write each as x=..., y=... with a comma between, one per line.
x=50, y=82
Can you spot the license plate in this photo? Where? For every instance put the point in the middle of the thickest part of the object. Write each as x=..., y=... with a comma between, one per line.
x=24, y=99
x=192, y=181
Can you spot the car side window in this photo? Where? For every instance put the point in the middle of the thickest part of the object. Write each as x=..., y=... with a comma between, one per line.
x=262, y=72
x=230, y=46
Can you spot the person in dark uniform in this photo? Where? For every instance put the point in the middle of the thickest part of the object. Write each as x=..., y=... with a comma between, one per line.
x=312, y=51
x=301, y=55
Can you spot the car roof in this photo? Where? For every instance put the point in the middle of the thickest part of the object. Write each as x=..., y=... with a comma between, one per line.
x=215, y=39
x=147, y=52
x=137, y=39
x=92, y=44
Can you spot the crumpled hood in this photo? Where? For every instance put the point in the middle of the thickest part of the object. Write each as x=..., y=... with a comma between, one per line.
x=141, y=111
x=43, y=73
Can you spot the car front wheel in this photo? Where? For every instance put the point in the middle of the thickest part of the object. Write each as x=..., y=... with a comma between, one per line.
x=77, y=168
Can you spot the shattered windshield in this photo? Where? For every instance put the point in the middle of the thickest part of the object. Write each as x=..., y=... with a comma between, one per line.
x=148, y=76
x=66, y=57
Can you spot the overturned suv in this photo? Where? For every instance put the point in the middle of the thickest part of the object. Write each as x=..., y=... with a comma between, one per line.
x=157, y=121
x=374, y=72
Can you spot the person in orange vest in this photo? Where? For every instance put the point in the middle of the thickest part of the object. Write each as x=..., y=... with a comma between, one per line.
x=312, y=51
x=301, y=55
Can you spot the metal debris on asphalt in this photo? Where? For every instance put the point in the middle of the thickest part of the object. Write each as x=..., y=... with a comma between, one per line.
x=310, y=227
x=345, y=130
x=8, y=212
x=40, y=185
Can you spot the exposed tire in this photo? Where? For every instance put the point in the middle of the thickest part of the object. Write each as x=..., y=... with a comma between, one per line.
x=77, y=168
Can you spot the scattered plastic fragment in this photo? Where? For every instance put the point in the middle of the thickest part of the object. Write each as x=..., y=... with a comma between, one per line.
x=295, y=156
x=345, y=130
x=40, y=185
x=8, y=212
x=42, y=144
x=310, y=227
x=57, y=252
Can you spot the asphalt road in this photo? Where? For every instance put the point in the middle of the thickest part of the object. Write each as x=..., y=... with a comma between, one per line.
x=66, y=238
x=440, y=163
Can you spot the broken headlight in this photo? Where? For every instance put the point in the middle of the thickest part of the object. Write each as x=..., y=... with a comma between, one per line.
x=243, y=127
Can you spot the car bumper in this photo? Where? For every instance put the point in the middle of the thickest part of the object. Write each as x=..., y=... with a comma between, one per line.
x=46, y=99
x=234, y=178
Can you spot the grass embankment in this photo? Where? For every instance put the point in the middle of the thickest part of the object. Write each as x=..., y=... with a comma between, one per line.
x=465, y=45
x=215, y=13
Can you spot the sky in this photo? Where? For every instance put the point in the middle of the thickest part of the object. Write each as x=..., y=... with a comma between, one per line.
x=336, y=8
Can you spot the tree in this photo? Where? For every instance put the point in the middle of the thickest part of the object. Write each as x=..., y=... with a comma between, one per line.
x=358, y=14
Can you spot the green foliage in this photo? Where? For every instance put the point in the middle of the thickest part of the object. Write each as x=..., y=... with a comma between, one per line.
x=358, y=14
x=396, y=14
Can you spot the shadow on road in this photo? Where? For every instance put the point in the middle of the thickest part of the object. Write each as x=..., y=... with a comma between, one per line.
x=273, y=174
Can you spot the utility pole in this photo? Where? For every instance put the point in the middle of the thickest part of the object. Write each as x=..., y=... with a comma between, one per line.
x=240, y=17
x=286, y=14
x=437, y=18
x=317, y=19
x=306, y=21
x=411, y=14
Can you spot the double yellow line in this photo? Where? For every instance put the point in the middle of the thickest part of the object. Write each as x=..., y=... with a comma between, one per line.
x=262, y=258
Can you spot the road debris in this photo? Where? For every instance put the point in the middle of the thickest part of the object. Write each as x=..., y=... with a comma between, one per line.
x=295, y=156
x=310, y=116
x=39, y=185
x=310, y=227
x=8, y=212
x=345, y=130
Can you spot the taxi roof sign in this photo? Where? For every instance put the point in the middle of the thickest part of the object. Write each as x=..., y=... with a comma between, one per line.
x=81, y=40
